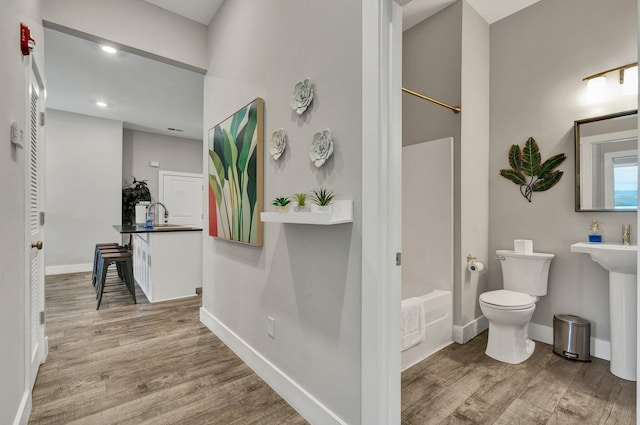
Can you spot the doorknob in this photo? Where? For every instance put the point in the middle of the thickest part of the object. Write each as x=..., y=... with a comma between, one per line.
x=37, y=245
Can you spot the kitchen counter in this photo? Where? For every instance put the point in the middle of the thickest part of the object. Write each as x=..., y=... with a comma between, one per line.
x=138, y=228
x=167, y=260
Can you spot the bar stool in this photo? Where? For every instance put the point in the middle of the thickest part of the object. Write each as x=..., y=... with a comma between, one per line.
x=99, y=247
x=124, y=263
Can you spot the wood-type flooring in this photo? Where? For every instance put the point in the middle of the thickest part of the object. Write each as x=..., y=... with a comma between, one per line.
x=461, y=385
x=142, y=364
x=157, y=364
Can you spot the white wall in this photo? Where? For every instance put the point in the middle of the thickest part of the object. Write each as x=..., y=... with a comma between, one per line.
x=538, y=59
x=427, y=217
x=14, y=391
x=136, y=24
x=307, y=277
x=83, y=188
x=139, y=148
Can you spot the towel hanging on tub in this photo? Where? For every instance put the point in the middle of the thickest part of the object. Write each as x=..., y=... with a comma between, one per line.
x=413, y=325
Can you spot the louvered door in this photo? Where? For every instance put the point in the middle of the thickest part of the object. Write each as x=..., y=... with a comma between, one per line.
x=34, y=161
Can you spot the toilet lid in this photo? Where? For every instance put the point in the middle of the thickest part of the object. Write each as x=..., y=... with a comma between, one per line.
x=507, y=299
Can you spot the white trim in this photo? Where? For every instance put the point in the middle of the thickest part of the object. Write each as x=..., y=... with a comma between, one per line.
x=464, y=334
x=306, y=404
x=69, y=268
x=599, y=347
x=381, y=216
x=24, y=410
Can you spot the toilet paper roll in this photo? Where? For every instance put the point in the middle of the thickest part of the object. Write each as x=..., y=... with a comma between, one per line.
x=523, y=246
x=475, y=266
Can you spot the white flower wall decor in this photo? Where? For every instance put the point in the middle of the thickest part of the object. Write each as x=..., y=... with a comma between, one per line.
x=321, y=147
x=302, y=96
x=278, y=143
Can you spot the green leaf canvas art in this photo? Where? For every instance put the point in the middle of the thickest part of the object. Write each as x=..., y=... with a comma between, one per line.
x=529, y=172
x=235, y=175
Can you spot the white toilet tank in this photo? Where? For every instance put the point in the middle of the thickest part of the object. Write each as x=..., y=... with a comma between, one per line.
x=526, y=273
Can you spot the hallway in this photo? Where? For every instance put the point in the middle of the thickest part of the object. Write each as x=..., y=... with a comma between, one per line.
x=142, y=364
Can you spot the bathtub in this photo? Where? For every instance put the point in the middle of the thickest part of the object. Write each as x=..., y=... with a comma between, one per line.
x=438, y=314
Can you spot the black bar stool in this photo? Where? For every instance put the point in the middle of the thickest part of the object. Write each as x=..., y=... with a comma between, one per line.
x=124, y=263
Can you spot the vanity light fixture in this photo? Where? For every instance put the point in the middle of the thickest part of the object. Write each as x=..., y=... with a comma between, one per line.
x=620, y=69
x=597, y=83
x=109, y=49
x=630, y=84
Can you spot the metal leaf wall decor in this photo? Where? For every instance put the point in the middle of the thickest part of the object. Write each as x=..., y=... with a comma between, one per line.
x=529, y=172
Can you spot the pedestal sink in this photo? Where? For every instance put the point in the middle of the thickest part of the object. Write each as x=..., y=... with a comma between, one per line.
x=621, y=263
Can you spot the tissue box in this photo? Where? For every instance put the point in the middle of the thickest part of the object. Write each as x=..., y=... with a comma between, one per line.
x=523, y=246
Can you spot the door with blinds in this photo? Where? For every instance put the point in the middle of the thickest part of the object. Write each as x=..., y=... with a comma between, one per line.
x=34, y=194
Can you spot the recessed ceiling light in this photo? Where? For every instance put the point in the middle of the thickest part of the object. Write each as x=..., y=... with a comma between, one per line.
x=109, y=49
x=101, y=104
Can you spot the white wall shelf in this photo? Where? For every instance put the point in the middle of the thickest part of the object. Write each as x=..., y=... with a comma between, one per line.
x=341, y=212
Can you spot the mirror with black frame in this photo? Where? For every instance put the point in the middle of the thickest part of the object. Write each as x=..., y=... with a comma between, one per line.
x=606, y=154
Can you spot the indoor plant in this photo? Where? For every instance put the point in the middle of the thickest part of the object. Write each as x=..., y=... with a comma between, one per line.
x=281, y=204
x=301, y=200
x=131, y=196
x=322, y=198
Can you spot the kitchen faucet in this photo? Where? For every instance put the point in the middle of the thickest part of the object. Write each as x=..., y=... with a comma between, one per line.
x=166, y=212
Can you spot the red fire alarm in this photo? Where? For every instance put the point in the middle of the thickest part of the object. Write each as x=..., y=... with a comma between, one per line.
x=26, y=42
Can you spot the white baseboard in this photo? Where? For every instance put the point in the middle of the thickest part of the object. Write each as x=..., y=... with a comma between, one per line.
x=24, y=410
x=599, y=348
x=70, y=268
x=464, y=334
x=306, y=404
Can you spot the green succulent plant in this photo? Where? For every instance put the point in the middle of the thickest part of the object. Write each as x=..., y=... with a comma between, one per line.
x=301, y=198
x=281, y=202
x=529, y=172
x=322, y=196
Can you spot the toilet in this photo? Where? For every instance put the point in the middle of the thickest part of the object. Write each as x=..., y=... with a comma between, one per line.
x=509, y=310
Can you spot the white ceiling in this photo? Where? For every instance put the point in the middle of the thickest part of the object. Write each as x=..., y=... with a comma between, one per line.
x=491, y=10
x=197, y=10
x=145, y=94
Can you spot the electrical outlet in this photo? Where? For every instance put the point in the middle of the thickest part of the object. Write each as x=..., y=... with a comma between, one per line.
x=271, y=327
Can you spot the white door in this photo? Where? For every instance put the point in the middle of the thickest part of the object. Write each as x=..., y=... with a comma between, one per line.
x=181, y=193
x=34, y=209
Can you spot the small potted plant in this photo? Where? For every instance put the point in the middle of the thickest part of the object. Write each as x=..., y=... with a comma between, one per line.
x=322, y=198
x=137, y=192
x=301, y=201
x=281, y=204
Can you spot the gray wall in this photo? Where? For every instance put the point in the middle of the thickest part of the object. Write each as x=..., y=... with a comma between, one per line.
x=12, y=226
x=83, y=187
x=307, y=277
x=173, y=154
x=431, y=65
x=538, y=59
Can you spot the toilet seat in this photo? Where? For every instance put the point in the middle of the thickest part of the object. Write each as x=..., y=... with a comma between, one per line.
x=503, y=299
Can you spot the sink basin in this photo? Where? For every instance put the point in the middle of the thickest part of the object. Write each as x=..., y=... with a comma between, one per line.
x=613, y=258
x=621, y=263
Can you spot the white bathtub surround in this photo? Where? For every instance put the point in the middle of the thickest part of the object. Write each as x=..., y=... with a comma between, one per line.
x=438, y=319
x=413, y=329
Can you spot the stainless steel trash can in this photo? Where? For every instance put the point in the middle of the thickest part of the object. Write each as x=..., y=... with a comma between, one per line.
x=572, y=337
